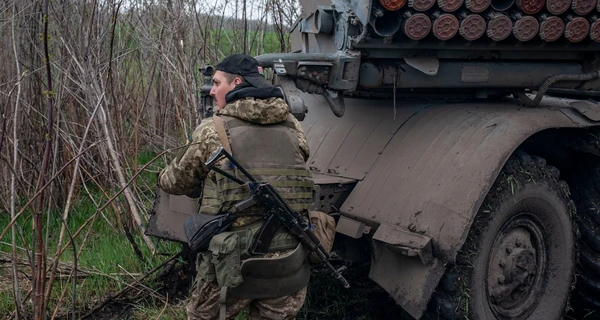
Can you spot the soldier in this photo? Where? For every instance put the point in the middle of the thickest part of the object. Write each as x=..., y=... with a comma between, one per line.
x=253, y=121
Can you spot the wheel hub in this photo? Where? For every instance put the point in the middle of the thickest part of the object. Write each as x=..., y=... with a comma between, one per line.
x=516, y=265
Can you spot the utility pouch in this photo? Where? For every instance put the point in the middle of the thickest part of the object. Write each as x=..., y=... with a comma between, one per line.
x=200, y=228
x=205, y=268
x=226, y=259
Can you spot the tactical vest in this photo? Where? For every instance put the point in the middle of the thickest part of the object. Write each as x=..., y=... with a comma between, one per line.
x=270, y=153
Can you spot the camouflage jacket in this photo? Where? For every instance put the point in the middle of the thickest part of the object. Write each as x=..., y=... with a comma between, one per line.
x=184, y=175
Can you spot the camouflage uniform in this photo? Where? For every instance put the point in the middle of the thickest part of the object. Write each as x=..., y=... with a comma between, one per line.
x=204, y=304
x=186, y=173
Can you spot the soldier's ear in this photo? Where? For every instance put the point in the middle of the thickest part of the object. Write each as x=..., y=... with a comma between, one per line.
x=237, y=80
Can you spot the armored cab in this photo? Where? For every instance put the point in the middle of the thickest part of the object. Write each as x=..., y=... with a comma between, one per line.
x=434, y=141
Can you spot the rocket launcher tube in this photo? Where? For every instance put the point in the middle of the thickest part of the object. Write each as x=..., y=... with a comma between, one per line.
x=583, y=7
x=551, y=28
x=502, y=5
x=421, y=5
x=595, y=29
x=558, y=7
x=499, y=26
x=416, y=26
x=477, y=6
x=445, y=25
x=472, y=26
x=530, y=6
x=525, y=28
x=385, y=23
x=577, y=28
x=392, y=5
x=449, y=5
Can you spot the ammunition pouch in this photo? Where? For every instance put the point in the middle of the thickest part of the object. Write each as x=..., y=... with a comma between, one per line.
x=226, y=259
x=267, y=278
x=228, y=262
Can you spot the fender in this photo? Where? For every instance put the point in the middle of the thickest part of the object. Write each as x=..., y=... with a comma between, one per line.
x=425, y=172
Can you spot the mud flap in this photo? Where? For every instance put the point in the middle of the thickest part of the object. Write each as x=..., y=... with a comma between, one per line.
x=406, y=279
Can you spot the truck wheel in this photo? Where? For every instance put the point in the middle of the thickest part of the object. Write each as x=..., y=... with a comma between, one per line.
x=518, y=259
x=586, y=298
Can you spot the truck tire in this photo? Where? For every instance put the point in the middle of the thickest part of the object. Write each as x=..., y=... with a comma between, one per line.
x=519, y=257
x=586, y=192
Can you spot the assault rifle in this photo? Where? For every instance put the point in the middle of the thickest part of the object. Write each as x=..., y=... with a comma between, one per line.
x=278, y=213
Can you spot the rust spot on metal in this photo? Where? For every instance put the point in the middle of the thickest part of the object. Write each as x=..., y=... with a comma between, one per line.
x=577, y=29
x=472, y=27
x=450, y=5
x=583, y=7
x=530, y=6
x=477, y=5
x=551, y=29
x=499, y=27
x=558, y=6
x=445, y=27
x=417, y=26
x=526, y=28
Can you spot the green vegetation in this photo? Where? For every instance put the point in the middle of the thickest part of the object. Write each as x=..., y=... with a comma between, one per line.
x=167, y=311
x=259, y=41
x=7, y=302
x=132, y=70
x=151, y=309
x=107, y=261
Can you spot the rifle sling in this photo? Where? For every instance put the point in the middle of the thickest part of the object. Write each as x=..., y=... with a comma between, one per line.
x=220, y=127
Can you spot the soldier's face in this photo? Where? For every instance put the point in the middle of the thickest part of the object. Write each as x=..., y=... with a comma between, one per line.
x=221, y=86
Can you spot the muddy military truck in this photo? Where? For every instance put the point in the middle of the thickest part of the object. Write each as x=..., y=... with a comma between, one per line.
x=457, y=146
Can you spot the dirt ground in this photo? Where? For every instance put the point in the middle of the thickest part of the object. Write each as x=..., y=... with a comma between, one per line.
x=326, y=299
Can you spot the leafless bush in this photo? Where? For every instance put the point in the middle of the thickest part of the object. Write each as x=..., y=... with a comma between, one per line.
x=85, y=85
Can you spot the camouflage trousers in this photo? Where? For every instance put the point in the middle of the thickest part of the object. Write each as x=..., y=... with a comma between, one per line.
x=204, y=304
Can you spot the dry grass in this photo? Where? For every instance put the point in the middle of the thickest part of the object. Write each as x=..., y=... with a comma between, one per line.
x=85, y=88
